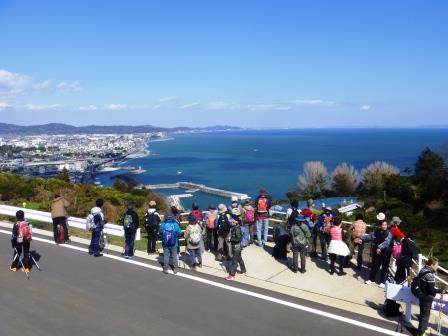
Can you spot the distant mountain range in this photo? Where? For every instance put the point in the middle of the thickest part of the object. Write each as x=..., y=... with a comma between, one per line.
x=55, y=128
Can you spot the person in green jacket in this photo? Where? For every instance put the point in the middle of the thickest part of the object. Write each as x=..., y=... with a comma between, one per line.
x=300, y=233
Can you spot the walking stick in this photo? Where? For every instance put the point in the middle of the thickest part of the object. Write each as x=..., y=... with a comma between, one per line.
x=21, y=263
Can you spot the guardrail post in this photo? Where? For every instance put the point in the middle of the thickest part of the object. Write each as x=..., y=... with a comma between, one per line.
x=420, y=262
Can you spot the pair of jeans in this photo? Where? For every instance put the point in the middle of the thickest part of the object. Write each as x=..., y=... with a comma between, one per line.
x=324, y=240
x=195, y=254
x=262, y=230
x=382, y=261
x=237, y=259
x=425, y=312
x=21, y=247
x=129, y=239
x=170, y=252
x=63, y=222
x=211, y=239
x=152, y=241
x=94, y=247
x=296, y=250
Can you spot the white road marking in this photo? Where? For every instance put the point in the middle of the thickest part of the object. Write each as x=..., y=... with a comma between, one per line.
x=235, y=289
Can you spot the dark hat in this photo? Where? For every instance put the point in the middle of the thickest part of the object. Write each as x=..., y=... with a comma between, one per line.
x=212, y=207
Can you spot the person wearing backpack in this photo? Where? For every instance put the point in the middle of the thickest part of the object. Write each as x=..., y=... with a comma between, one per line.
x=292, y=213
x=197, y=214
x=337, y=249
x=381, y=251
x=300, y=233
x=248, y=218
x=323, y=226
x=152, y=222
x=20, y=241
x=193, y=237
x=170, y=233
x=424, y=287
x=223, y=228
x=357, y=231
x=97, y=229
x=130, y=222
x=235, y=237
x=262, y=205
x=409, y=252
x=211, y=234
x=281, y=238
x=59, y=216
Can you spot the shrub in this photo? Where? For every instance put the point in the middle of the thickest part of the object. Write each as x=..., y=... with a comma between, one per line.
x=373, y=176
x=345, y=179
x=313, y=181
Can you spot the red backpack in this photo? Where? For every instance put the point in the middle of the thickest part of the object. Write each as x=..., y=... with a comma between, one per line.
x=262, y=205
x=197, y=214
x=23, y=232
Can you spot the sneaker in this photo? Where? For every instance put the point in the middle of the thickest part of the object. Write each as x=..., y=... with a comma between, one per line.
x=13, y=269
x=125, y=256
x=199, y=265
x=98, y=255
x=342, y=273
x=27, y=270
x=230, y=278
x=368, y=282
x=381, y=285
x=165, y=270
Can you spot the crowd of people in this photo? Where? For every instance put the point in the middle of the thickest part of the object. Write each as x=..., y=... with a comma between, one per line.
x=227, y=230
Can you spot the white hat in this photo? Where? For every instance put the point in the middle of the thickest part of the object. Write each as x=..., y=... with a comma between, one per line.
x=234, y=199
x=381, y=216
x=222, y=208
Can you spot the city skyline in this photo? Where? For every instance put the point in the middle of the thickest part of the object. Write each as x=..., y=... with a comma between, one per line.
x=258, y=65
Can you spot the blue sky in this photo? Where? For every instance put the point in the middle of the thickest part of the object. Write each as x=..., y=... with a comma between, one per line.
x=314, y=63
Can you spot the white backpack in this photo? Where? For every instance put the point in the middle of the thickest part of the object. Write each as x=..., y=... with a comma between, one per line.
x=90, y=223
x=195, y=235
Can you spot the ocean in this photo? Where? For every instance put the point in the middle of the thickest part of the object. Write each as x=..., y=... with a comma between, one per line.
x=243, y=161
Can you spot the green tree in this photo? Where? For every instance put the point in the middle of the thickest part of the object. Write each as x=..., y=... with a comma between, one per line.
x=64, y=175
x=314, y=179
x=344, y=180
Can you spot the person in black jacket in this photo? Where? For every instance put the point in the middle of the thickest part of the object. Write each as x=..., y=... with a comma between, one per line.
x=428, y=290
x=235, y=237
x=20, y=243
x=281, y=239
x=130, y=224
x=409, y=251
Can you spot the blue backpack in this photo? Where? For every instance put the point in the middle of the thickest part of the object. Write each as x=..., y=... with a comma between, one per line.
x=168, y=236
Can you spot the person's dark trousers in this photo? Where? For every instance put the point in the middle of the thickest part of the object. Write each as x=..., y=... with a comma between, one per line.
x=323, y=238
x=279, y=251
x=375, y=266
x=60, y=221
x=385, y=261
x=237, y=259
x=340, y=259
x=296, y=250
x=359, y=259
x=152, y=242
x=425, y=312
x=314, y=234
x=379, y=260
x=129, y=239
x=94, y=247
x=25, y=248
x=195, y=254
x=209, y=244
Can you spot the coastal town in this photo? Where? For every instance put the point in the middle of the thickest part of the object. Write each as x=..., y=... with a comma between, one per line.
x=82, y=155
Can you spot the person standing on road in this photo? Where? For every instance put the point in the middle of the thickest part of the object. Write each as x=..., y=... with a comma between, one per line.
x=20, y=241
x=428, y=291
x=300, y=233
x=409, y=251
x=210, y=220
x=193, y=237
x=97, y=230
x=324, y=223
x=223, y=227
x=235, y=242
x=281, y=238
x=337, y=248
x=152, y=222
x=357, y=231
x=262, y=205
x=248, y=216
x=59, y=215
x=381, y=250
x=130, y=225
x=170, y=233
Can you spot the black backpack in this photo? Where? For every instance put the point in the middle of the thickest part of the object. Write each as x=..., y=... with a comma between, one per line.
x=223, y=224
x=292, y=219
x=151, y=222
x=416, y=285
x=391, y=308
x=235, y=236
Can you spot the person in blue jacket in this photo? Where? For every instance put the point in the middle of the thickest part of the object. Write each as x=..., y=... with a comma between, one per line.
x=170, y=233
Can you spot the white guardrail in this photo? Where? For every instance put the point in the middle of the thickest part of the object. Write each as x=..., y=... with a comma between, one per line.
x=79, y=223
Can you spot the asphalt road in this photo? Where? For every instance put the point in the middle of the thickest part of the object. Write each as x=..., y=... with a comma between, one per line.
x=76, y=294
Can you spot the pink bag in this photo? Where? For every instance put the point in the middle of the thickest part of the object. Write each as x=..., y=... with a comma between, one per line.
x=396, y=251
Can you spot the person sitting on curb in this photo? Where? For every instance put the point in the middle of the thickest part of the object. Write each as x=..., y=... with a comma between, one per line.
x=300, y=233
x=193, y=237
x=235, y=241
x=170, y=233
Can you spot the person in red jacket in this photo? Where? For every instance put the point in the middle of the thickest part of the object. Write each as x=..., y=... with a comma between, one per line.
x=395, y=230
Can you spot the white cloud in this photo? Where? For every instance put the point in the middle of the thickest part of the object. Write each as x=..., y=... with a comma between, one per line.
x=88, y=108
x=217, y=105
x=366, y=107
x=189, y=105
x=4, y=106
x=42, y=85
x=13, y=83
x=34, y=107
x=167, y=99
x=116, y=107
x=73, y=86
x=312, y=102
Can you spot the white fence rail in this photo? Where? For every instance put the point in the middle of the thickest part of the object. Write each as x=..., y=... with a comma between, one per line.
x=79, y=223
